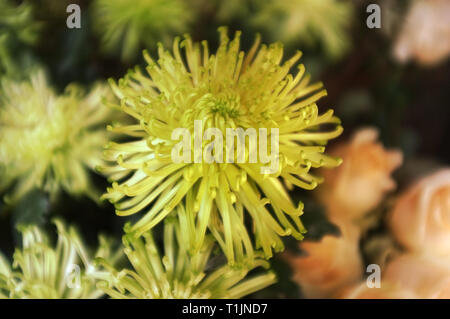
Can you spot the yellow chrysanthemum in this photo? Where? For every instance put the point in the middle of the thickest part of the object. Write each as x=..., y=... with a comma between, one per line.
x=49, y=141
x=227, y=90
x=63, y=271
x=178, y=274
x=124, y=27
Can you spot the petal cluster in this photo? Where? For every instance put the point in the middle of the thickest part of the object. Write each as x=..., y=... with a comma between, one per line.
x=228, y=89
x=178, y=274
x=62, y=271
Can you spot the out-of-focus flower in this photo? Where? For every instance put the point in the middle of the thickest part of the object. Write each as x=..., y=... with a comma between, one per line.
x=392, y=15
x=47, y=141
x=360, y=183
x=226, y=11
x=386, y=291
x=225, y=90
x=420, y=219
x=16, y=27
x=424, y=275
x=178, y=274
x=328, y=265
x=308, y=21
x=64, y=271
x=425, y=34
x=124, y=27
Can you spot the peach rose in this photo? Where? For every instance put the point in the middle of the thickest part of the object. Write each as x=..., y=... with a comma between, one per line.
x=359, y=184
x=420, y=219
x=386, y=291
x=427, y=276
x=329, y=265
x=425, y=35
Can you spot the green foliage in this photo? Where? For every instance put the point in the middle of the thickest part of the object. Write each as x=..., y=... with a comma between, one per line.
x=18, y=31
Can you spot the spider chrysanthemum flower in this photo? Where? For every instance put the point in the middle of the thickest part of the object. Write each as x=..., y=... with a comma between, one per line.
x=126, y=26
x=178, y=274
x=62, y=271
x=309, y=21
x=47, y=140
x=226, y=90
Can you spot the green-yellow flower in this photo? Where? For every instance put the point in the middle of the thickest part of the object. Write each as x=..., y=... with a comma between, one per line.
x=47, y=140
x=125, y=26
x=62, y=271
x=308, y=21
x=229, y=89
x=178, y=274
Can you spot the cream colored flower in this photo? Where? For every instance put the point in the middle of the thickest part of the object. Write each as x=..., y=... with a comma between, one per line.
x=50, y=141
x=426, y=276
x=386, y=291
x=359, y=184
x=330, y=264
x=425, y=35
x=420, y=220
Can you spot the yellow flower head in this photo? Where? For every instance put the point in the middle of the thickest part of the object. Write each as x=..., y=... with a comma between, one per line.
x=178, y=274
x=125, y=26
x=229, y=89
x=48, y=141
x=63, y=271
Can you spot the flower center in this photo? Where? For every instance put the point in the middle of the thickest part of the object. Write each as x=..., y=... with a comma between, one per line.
x=225, y=106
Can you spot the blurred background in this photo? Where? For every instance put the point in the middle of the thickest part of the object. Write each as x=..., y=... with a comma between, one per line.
x=388, y=204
